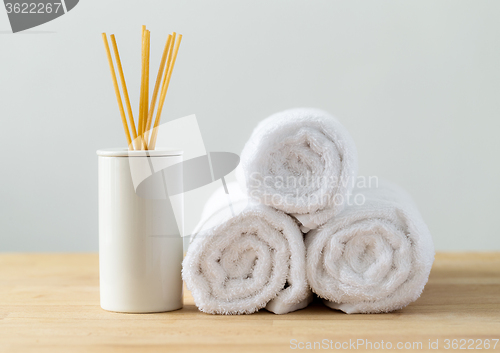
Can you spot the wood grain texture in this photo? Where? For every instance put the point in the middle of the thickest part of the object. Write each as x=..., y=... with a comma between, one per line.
x=50, y=303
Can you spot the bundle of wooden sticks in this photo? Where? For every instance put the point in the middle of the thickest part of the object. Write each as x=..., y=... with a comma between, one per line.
x=144, y=137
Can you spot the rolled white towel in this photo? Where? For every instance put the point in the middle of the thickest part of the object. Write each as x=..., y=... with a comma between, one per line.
x=300, y=161
x=238, y=264
x=375, y=257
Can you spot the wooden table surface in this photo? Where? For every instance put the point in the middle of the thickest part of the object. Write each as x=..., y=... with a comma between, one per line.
x=50, y=303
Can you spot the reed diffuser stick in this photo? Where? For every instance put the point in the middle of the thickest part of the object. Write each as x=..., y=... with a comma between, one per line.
x=141, y=98
x=157, y=86
x=164, y=92
x=152, y=141
x=146, y=88
x=117, y=92
x=125, y=91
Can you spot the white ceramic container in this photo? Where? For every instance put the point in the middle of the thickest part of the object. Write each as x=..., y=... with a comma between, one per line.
x=140, y=243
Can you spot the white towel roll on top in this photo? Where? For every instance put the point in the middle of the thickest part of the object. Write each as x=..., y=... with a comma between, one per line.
x=302, y=162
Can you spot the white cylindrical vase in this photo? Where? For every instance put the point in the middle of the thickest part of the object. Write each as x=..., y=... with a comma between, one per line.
x=140, y=230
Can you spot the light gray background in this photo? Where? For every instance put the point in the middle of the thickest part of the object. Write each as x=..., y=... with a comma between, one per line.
x=417, y=83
